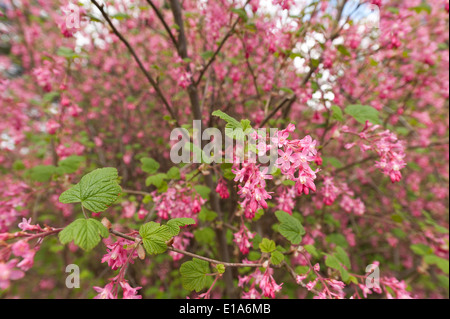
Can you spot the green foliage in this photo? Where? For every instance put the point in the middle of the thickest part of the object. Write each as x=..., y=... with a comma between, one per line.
x=154, y=237
x=290, y=227
x=363, y=113
x=174, y=173
x=205, y=236
x=340, y=261
x=84, y=232
x=149, y=165
x=156, y=180
x=71, y=164
x=234, y=129
x=267, y=245
x=203, y=191
x=220, y=268
x=337, y=113
x=42, y=173
x=441, y=263
x=96, y=191
x=276, y=258
x=175, y=224
x=207, y=215
x=194, y=275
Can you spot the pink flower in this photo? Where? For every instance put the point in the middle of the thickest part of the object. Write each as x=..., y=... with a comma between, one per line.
x=117, y=254
x=20, y=248
x=106, y=292
x=222, y=189
x=251, y=294
x=7, y=273
x=52, y=126
x=26, y=225
x=268, y=285
x=129, y=292
x=241, y=238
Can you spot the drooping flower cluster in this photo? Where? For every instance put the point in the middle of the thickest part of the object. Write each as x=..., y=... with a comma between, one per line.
x=118, y=253
x=242, y=239
x=253, y=190
x=286, y=199
x=265, y=282
x=295, y=156
x=222, y=189
x=110, y=291
x=386, y=144
x=178, y=203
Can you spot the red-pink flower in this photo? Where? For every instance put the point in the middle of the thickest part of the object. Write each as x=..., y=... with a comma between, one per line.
x=268, y=285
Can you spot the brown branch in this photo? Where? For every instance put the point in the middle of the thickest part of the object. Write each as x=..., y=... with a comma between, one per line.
x=187, y=253
x=138, y=61
x=161, y=18
x=222, y=43
x=275, y=110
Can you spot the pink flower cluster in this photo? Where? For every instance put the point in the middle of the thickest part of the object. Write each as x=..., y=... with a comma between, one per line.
x=178, y=203
x=254, y=190
x=265, y=282
x=242, y=239
x=15, y=269
x=386, y=144
x=118, y=253
x=222, y=189
x=295, y=156
x=110, y=291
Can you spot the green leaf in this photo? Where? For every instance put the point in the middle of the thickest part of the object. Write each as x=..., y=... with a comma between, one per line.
x=154, y=237
x=337, y=113
x=343, y=50
x=246, y=125
x=220, y=268
x=149, y=165
x=333, y=161
x=84, y=232
x=174, y=173
x=276, y=258
x=333, y=262
x=363, y=113
x=71, y=164
x=343, y=257
x=42, y=173
x=205, y=236
x=288, y=182
x=207, y=55
x=175, y=224
x=441, y=263
x=66, y=53
x=422, y=7
x=156, y=180
x=312, y=250
x=120, y=16
x=421, y=249
x=290, y=227
x=241, y=13
x=337, y=239
x=267, y=245
x=232, y=122
x=96, y=191
x=203, y=191
x=194, y=275
x=207, y=215
x=227, y=172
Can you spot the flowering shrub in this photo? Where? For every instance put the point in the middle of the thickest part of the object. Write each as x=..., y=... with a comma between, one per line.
x=355, y=205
